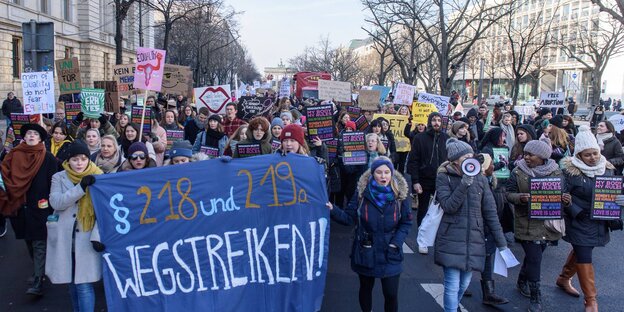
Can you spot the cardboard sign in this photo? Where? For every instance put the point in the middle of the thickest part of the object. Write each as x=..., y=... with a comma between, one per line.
x=369, y=100
x=212, y=152
x=320, y=122
x=111, y=96
x=177, y=80
x=354, y=112
x=545, y=201
x=92, y=101
x=552, y=99
x=124, y=76
x=174, y=136
x=441, y=102
x=501, y=154
x=362, y=123
x=150, y=66
x=397, y=125
x=354, y=148
x=421, y=112
x=135, y=117
x=252, y=106
x=68, y=75
x=603, y=206
x=214, y=98
x=71, y=111
x=248, y=150
x=17, y=121
x=332, y=149
x=339, y=91
x=404, y=94
x=38, y=92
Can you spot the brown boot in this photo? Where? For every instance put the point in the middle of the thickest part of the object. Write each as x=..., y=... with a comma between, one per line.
x=564, y=281
x=588, y=285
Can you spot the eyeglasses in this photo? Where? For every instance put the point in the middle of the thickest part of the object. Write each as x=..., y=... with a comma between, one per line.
x=137, y=156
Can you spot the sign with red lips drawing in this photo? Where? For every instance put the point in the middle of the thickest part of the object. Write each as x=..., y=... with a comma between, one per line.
x=213, y=97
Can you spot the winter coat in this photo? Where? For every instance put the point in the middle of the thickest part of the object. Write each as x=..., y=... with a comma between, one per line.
x=12, y=106
x=67, y=235
x=527, y=229
x=191, y=130
x=30, y=222
x=613, y=152
x=381, y=226
x=460, y=241
x=265, y=142
x=582, y=231
x=427, y=153
x=201, y=141
x=79, y=133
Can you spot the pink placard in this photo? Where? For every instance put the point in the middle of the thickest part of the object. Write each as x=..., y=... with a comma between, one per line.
x=150, y=66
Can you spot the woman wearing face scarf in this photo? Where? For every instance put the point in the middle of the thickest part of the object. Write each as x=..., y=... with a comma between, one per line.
x=610, y=146
x=582, y=232
x=212, y=136
x=382, y=217
x=531, y=233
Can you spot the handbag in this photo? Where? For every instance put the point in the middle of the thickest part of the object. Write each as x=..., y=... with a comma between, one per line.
x=428, y=228
x=556, y=226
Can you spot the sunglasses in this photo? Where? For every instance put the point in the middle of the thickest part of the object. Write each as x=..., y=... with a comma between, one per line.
x=137, y=156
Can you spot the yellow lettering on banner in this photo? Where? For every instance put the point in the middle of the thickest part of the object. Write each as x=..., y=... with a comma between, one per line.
x=421, y=111
x=397, y=125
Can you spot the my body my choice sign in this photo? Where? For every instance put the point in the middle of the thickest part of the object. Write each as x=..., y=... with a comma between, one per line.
x=256, y=239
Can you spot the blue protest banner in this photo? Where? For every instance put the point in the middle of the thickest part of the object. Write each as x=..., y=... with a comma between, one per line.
x=251, y=234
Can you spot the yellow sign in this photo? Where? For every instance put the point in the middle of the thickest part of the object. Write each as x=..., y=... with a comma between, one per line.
x=397, y=125
x=421, y=111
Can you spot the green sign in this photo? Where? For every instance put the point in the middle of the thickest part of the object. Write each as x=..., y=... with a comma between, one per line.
x=92, y=102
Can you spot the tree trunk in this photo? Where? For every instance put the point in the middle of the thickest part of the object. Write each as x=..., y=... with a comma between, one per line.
x=119, y=36
x=596, y=87
x=515, y=91
x=166, y=39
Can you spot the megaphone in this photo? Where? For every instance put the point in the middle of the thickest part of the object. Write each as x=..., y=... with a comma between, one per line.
x=471, y=167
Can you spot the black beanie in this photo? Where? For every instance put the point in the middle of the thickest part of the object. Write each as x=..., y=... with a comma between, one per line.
x=557, y=121
x=78, y=148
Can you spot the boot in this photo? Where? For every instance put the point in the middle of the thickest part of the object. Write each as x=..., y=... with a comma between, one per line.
x=536, y=297
x=564, y=281
x=523, y=286
x=37, y=287
x=588, y=285
x=489, y=295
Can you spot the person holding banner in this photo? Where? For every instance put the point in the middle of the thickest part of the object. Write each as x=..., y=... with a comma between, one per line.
x=59, y=143
x=584, y=233
x=381, y=212
x=73, y=255
x=212, y=136
x=531, y=233
x=109, y=157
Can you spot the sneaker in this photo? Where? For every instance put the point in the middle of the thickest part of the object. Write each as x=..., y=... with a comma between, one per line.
x=3, y=228
x=423, y=250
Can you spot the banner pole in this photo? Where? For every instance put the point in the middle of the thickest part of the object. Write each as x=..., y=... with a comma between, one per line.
x=143, y=116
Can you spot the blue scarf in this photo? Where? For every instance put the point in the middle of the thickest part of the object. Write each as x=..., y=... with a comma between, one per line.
x=381, y=194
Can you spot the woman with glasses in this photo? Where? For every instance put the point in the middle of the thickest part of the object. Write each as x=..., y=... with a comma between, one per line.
x=137, y=158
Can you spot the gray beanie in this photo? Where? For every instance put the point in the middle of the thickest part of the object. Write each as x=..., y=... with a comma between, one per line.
x=456, y=149
x=538, y=148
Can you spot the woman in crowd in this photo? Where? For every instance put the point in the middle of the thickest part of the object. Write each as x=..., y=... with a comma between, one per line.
x=158, y=139
x=524, y=134
x=131, y=137
x=531, y=233
x=92, y=138
x=137, y=158
x=120, y=127
x=187, y=114
x=27, y=175
x=101, y=124
x=584, y=233
x=109, y=158
x=468, y=205
x=72, y=258
x=277, y=125
x=461, y=131
x=610, y=146
x=169, y=121
x=562, y=142
x=508, y=128
x=376, y=127
x=568, y=125
x=341, y=122
x=294, y=138
x=257, y=133
x=182, y=152
x=212, y=136
x=239, y=135
x=383, y=218
x=59, y=143
x=287, y=118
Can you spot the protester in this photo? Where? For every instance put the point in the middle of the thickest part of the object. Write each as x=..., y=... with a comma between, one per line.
x=182, y=152
x=231, y=122
x=123, y=121
x=476, y=125
x=562, y=142
x=186, y=115
x=212, y=136
x=257, y=133
x=277, y=125
x=132, y=136
x=343, y=118
x=110, y=157
x=59, y=143
x=568, y=125
x=11, y=105
x=460, y=244
x=27, y=174
x=531, y=233
x=382, y=215
x=72, y=258
x=169, y=121
x=287, y=118
x=508, y=128
x=137, y=158
x=461, y=131
x=92, y=139
x=239, y=135
x=158, y=138
x=524, y=134
x=101, y=124
x=610, y=146
x=196, y=125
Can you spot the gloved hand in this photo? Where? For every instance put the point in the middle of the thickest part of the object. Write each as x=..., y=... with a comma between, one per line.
x=97, y=246
x=467, y=180
x=103, y=119
x=86, y=181
x=225, y=159
x=79, y=118
x=619, y=199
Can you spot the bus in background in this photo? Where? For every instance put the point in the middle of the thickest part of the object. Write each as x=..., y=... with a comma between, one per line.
x=306, y=84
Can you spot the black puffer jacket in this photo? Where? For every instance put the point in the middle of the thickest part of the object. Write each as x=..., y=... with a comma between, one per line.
x=613, y=152
x=460, y=242
x=427, y=153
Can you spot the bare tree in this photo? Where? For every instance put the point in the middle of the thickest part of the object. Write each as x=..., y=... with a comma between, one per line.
x=429, y=72
x=615, y=8
x=121, y=12
x=341, y=62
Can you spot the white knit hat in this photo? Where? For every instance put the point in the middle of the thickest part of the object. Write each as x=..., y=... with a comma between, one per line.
x=584, y=139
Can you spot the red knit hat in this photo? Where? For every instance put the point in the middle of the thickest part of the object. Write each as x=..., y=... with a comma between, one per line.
x=350, y=124
x=294, y=132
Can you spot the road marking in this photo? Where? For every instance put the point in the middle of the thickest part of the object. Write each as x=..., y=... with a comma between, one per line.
x=406, y=249
x=437, y=292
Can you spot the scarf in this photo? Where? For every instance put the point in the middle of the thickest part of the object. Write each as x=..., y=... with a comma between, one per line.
x=601, y=137
x=55, y=147
x=108, y=164
x=509, y=135
x=381, y=195
x=371, y=157
x=546, y=169
x=591, y=171
x=173, y=126
x=86, y=216
x=94, y=149
x=212, y=137
x=18, y=171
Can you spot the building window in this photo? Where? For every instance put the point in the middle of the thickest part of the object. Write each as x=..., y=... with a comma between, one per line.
x=106, y=66
x=69, y=52
x=17, y=57
x=44, y=6
x=66, y=9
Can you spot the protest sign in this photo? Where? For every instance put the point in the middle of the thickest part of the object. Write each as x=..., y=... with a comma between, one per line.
x=354, y=148
x=362, y=123
x=369, y=100
x=441, y=102
x=603, y=206
x=397, y=126
x=111, y=96
x=404, y=94
x=284, y=88
x=174, y=136
x=71, y=111
x=124, y=76
x=92, y=101
x=254, y=239
x=383, y=92
x=68, y=75
x=17, y=121
x=135, y=117
x=251, y=106
x=212, y=152
x=552, y=99
x=618, y=122
x=501, y=155
x=38, y=92
x=214, y=98
x=150, y=65
x=525, y=110
x=354, y=112
x=338, y=91
x=276, y=144
x=177, y=80
x=421, y=112
x=545, y=201
x=332, y=149
x=248, y=150
x=320, y=122
x=256, y=84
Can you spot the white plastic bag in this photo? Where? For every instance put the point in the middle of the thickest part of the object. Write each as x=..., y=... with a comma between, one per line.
x=429, y=227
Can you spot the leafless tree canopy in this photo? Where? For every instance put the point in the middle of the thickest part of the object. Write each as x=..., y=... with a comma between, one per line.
x=615, y=8
x=341, y=62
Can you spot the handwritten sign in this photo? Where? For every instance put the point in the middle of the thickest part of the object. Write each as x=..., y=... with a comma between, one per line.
x=174, y=136
x=68, y=75
x=545, y=202
x=552, y=99
x=320, y=121
x=252, y=106
x=354, y=148
x=17, y=121
x=92, y=101
x=397, y=126
x=368, y=100
x=441, y=102
x=150, y=66
x=177, y=80
x=124, y=76
x=603, y=205
x=404, y=94
x=339, y=91
x=38, y=92
x=221, y=243
x=524, y=110
x=248, y=150
x=71, y=111
x=284, y=88
x=135, y=117
x=421, y=112
x=212, y=152
x=214, y=98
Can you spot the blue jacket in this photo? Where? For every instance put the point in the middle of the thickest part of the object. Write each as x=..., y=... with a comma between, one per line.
x=377, y=226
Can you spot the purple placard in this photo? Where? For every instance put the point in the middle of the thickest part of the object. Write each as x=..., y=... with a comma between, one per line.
x=354, y=148
x=603, y=205
x=320, y=122
x=212, y=152
x=248, y=150
x=545, y=202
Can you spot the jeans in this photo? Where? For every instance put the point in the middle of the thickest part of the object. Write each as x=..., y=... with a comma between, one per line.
x=455, y=283
x=82, y=297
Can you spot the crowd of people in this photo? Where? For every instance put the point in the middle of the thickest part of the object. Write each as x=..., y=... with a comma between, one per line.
x=46, y=176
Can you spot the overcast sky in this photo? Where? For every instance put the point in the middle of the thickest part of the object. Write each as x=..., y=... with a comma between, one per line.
x=279, y=29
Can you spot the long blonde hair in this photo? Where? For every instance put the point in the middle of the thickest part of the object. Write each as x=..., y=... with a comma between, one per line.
x=559, y=137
